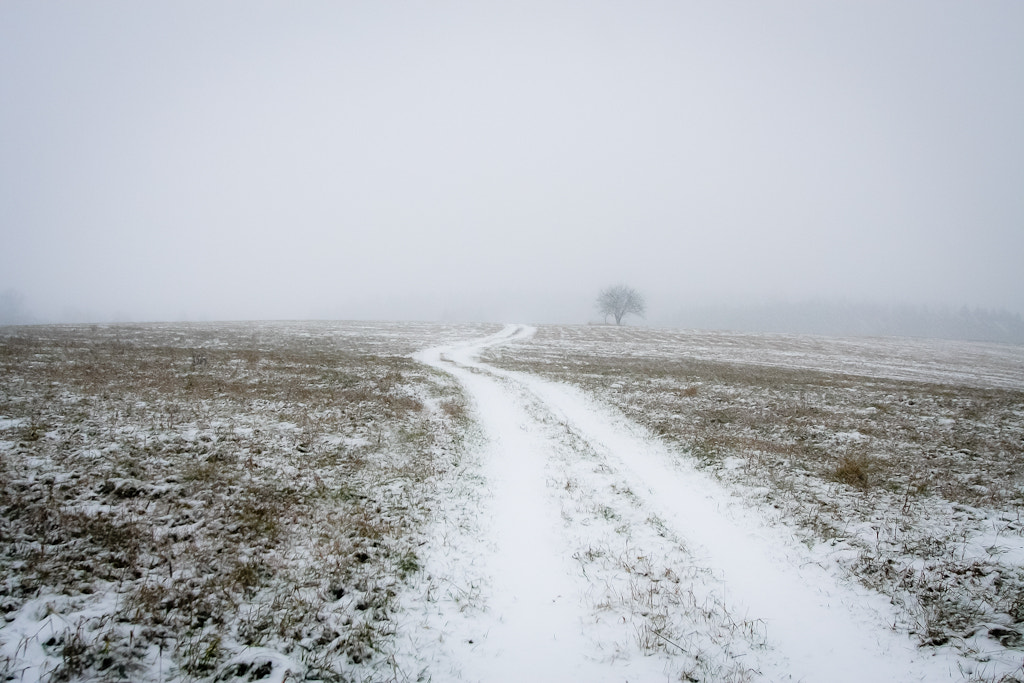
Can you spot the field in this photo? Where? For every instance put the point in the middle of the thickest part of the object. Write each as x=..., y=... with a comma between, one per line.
x=898, y=460
x=328, y=501
x=186, y=501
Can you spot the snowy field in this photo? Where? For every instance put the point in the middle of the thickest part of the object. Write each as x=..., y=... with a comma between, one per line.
x=393, y=502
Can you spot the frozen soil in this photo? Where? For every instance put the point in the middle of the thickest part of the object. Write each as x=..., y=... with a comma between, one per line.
x=897, y=462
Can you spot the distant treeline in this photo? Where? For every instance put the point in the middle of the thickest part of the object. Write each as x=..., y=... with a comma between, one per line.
x=974, y=324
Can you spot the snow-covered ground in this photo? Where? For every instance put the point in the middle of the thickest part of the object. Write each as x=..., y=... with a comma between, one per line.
x=601, y=557
x=895, y=462
x=372, y=502
x=215, y=502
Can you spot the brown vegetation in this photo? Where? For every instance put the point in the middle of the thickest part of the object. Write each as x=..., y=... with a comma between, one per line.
x=896, y=473
x=232, y=486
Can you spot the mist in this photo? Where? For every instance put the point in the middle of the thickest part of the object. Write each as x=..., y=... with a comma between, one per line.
x=475, y=161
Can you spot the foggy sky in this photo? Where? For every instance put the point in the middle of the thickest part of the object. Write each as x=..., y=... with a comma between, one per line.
x=193, y=160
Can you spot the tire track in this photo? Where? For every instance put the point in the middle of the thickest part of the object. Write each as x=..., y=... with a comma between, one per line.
x=636, y=567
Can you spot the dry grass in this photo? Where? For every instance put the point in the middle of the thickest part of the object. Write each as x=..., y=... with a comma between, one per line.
x=214, y=488
x=897, y=476
x=852, y=470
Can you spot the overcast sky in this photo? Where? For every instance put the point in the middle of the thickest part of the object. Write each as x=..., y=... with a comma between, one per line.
x=431, y=160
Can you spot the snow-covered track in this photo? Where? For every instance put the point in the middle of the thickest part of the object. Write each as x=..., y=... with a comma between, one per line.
x=601, y=555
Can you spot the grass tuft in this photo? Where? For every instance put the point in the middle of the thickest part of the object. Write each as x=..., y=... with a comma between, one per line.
x=852, y=470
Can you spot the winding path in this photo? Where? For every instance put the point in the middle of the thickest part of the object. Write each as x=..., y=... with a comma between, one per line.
x=602, y=556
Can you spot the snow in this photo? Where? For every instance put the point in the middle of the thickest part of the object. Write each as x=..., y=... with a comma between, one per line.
x=533, y=629
x=566, y=542
x=10, y=423
x=538, y=623
x=850, y=437
x=41, y=624
x=808, y=617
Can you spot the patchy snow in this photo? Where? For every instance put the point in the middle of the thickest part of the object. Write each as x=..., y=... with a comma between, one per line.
x=852, y=436
x=41, y=629
x=534, y=618
x=10, y=423
x=545, y=535
x=251, y=520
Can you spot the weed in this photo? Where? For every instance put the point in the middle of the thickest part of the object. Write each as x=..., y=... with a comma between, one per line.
x=852, y=470
x=408, y=564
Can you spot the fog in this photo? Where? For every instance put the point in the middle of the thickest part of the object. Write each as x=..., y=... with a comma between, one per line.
x=486, y=161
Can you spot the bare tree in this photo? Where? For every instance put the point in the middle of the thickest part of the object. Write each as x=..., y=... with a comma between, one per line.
x=619, y=301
